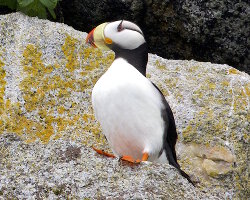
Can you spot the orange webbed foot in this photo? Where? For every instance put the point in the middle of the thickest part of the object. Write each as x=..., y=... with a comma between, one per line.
x=127, y=158
x=132, y=160
x=103, y=152
x=145, y=157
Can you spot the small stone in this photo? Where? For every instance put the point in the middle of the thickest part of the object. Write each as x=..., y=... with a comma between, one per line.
x=215, y=169
x=220, y=153
x=198, y=150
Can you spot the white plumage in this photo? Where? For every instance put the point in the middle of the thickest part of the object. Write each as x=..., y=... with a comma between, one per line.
x=127, y=39
x=128, y=107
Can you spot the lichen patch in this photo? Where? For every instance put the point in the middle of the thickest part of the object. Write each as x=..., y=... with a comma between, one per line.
x=56, y=98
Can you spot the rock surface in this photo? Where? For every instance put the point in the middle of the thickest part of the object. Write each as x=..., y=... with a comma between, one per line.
x=47, y=125
x=47, y=172
x=215, y=31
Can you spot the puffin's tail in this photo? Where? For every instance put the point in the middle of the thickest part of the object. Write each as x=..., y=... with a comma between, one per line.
x=170, y=137
x=170, y=155
x=169, y=144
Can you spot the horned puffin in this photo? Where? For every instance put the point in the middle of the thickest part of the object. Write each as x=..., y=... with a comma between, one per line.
x=133, y=113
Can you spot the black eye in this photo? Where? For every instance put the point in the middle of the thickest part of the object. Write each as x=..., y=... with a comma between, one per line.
x=119, y=27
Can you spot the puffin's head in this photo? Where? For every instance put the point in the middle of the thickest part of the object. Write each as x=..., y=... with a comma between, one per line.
x=116, y=35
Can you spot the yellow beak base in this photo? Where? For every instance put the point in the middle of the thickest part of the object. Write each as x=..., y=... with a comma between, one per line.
x=99, y=38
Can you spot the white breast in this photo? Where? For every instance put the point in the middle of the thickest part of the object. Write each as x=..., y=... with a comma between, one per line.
x=128, y=108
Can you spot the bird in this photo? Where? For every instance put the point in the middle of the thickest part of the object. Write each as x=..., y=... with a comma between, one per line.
x=134, y=115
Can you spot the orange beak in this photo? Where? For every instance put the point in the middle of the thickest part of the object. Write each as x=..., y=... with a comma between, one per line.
x=97, y=39
x=90, y=38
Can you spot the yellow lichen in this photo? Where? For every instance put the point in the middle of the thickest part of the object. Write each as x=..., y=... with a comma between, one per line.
x=43, y=115
x=69, y=50
x=171, y=82
x=225, y=83
x=2, y=89
x=212, y=86
x=61, y=110
x=187, y=131
x=159, y=65
x=233, y=71
x=193, y=69
x=247, y=89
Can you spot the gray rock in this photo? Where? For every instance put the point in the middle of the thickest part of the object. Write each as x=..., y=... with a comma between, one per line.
x=47, y=126
x=215, y=31
x=38, y=171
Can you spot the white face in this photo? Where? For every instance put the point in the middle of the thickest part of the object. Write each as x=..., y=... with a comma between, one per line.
x=126, y=35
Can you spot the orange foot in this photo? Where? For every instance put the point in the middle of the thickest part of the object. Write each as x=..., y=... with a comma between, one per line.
x=103, y=152
x=130, y=159
x=124, y=158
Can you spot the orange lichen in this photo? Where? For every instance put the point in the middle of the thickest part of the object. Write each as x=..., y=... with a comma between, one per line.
x=38, y=96
x=49, y=108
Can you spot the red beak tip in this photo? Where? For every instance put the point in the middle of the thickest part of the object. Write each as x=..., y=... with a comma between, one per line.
x=90, y=38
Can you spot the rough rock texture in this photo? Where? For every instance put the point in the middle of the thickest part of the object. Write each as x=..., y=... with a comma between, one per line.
x=215, y=31
x=47, y=125
x=48, y=172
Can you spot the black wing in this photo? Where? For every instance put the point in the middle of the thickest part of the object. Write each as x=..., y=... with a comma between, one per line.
x=170, y=136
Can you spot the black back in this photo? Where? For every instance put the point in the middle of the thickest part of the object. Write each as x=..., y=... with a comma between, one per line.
x=170, y=136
